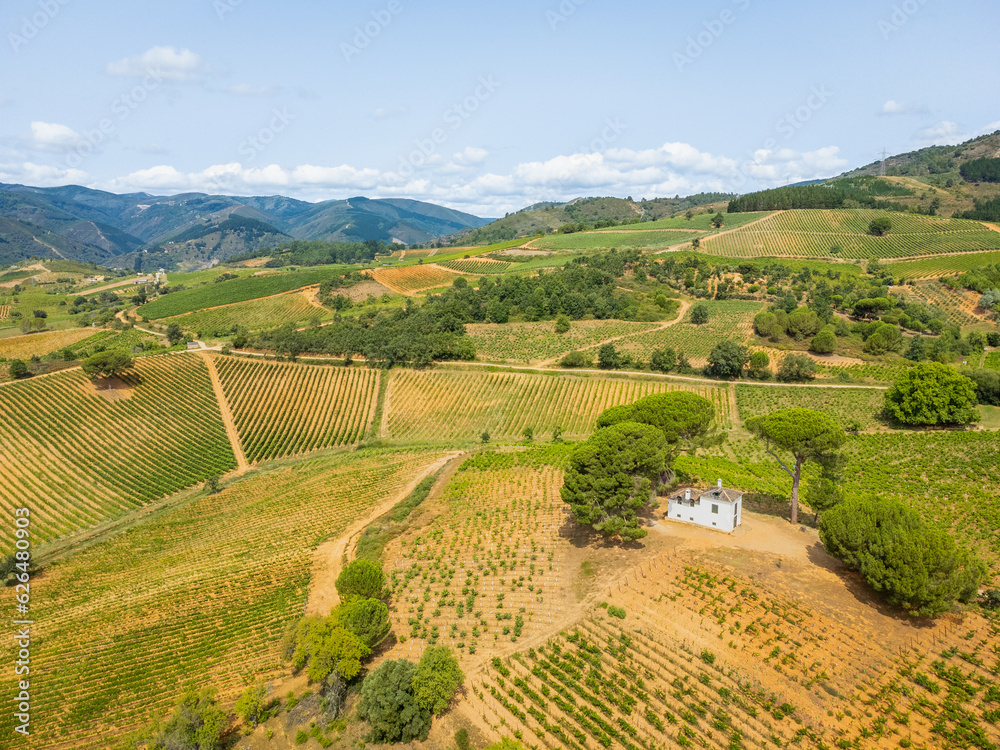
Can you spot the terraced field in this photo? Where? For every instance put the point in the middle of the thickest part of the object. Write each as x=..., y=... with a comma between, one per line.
x=602, y=240
x=728, y=319
x=535, y=342
x=58, y=435
x=459, y=406
x=413, y=279
x=284, y=409
x=25, y=347
x=220, y=578
x=818, y=233
x=253, y=315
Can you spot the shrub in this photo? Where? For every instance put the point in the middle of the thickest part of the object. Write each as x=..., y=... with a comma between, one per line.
x=699, y=314
x=363, y=578
x=436, y=679
x=388, y=705
x=796, y=368
x=575, y=359
x=824, y=342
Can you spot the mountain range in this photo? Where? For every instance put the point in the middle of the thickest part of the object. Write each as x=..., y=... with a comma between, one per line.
x=191, y=230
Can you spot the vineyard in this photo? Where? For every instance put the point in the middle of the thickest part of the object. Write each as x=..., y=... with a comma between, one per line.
x=459, y=406
x=77, y=458
x=534, y=342
x=843, y=233
x=254, y=315
x=651, y=240
x=698, y=223
x=4, y=312
x=477, y=266
x=288, y=409
x=949, y=265
x=220, y=578
x=957, y=305
x=25, y=347
x=681, y=655
x=860, y=405
x=413, y=279
x=728, y=319
x=126, y=341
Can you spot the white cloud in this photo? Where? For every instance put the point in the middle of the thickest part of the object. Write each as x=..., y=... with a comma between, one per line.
x=383, y=113
x=944, y=133
x=170, y=63
x=41, y=175
x=892, y=107
x=667, y=170
x=245, y=89
x=51, y=136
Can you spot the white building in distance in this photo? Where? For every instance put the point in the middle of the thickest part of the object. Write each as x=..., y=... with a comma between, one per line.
x=716, y=508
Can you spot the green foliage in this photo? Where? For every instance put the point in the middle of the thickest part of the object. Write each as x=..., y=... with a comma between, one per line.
x=836, y=194
x=759, y=364
x=796, y=368
x=727, y=360
x=107, y=364
x=324, y=646
x=562, y=324
x=610, y=478
x=917, y=567
x=462, y=741
x=250, y=704
x=174, y=334
x=880, y=226
x=608, y=357
x=389, y=706
x=366, y=618
x=197, y=723
x=987, y=385
x=824, y=342
x=436, y=679
x=981, y=170
x=17, y=369
x=361, y=578
x=663, y=360
x=932, y=394
x=575, y=359
x=699, y=314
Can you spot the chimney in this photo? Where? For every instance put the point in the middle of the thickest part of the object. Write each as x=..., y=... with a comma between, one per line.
x=687, y=494
x=720, y=484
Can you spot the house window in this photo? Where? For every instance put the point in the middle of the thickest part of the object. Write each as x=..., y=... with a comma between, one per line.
x=715, y=509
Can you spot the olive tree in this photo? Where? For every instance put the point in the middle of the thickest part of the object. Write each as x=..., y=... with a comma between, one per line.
x=805, y=434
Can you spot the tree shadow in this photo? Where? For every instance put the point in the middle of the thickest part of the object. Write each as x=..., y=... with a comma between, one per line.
x=583, y=537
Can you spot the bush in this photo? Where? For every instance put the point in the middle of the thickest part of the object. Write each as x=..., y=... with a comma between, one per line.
x=17, y=369
x=362, y=578
x=575, y=359
x=388, y=705
x=796, y=368
x=436, y=679
x=918, y=568
x=608, y=357
x=824, y=342
x=562, y=324
x=366, y=618
x=699, y=314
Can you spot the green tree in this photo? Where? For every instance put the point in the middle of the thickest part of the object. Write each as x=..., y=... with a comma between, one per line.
x=197, y=723
x=250, y=704
x=575, y=359
x=174, y=334
x=212, y=484
x=323, y=646
x=529, y=434
x=485, y=437
x=610, y=478
x=366, y=618
x=361, y=578
x=17, y=369
x=562, y=324
x=608, y=357
x=760, y=365
x=796, y=368
x=932, y=394
x=727, y=360
x=824, y=342
x=806, y=434
x=388, y=705
x=917, y=351
x=436, y=679
x=699, y=314
x=717, y=220
x=879, y=227
x=663, y=360
x=916, y=567
x=111, y=363
x=689, y=214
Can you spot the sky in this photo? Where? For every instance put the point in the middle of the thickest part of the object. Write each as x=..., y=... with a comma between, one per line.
x=485, y=108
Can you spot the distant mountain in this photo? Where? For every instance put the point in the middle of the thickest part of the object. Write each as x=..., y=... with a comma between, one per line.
x=934, y=160
x=141, y=231
x=548, y=217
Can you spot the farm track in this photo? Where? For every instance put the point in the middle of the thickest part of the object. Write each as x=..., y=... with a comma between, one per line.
x=329, y=558
x=685, y=305
x=227, y=415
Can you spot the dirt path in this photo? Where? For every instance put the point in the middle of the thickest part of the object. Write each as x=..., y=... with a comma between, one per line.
x=227, y=416
x=992, y=227
x=46, y=244
x=330, y=557
x=680, y=316
x=312, y=296
x=121, y=316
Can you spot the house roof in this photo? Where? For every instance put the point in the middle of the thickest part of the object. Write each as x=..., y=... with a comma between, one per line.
x=724, y=494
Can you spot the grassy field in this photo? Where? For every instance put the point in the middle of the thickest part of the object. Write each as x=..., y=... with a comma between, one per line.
x=287, y=409
x=253, y=315
x=164, y=431
x=535, y=342
x=459, y=406
x=603, y=240
x=220, y=577
x=728, y=319
x=818, y=233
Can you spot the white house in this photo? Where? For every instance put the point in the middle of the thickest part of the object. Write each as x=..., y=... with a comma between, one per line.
x=716, y=508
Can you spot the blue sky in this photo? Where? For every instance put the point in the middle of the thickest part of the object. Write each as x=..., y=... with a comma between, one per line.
x=482, y=107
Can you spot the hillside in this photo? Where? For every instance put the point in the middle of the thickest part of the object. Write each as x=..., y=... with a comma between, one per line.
x=933, y=160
